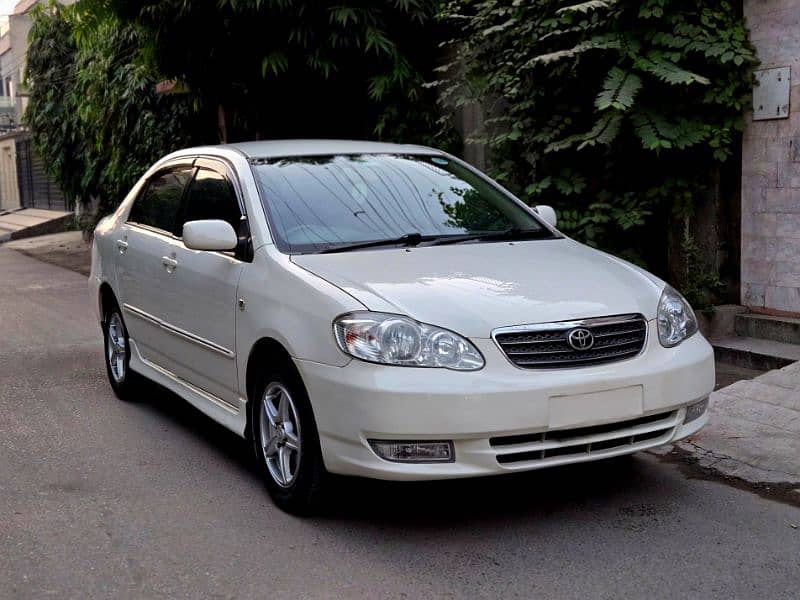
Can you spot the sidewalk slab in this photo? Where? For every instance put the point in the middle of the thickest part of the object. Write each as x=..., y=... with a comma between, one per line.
x=755, y=353
x=21, y=220
x=29, y=222
x=780, y=396
x=44, y=213
x=753, y=431
x=780, y=329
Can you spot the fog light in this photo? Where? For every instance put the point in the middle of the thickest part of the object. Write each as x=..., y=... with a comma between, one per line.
x=413, y=452
x=696, y=410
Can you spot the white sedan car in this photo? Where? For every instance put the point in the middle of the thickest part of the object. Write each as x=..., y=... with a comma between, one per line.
x=386, y=311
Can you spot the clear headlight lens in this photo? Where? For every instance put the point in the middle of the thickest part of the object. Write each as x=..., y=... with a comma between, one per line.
x=676, y=320
x=396, y=340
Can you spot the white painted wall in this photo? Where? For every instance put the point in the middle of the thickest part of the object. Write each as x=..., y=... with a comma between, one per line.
x=9, y=191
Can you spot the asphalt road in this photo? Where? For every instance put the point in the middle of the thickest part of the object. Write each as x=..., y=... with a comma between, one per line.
x=102, y=499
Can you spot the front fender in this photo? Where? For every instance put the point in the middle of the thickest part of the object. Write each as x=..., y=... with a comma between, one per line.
x=284, y=302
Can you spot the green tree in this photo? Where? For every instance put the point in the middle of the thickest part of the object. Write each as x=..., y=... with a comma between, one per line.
x=296, y=68
x=95, y=118
x=250, y=69
x=621, y=114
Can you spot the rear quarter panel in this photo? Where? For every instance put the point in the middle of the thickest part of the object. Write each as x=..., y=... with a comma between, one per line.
x=102, y=269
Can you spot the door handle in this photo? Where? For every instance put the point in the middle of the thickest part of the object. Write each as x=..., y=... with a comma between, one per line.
x=122, y=246
x=170, y=264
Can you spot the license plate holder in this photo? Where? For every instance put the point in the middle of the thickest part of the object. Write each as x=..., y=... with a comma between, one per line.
x=596, y=407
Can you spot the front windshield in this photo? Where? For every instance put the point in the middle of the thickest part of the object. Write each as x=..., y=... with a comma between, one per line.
x=323, y=202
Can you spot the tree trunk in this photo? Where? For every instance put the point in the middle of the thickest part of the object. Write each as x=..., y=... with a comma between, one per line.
x=222, y=126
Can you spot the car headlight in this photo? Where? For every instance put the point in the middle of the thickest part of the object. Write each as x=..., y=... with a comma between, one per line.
x=676, y=320
x=396, y=340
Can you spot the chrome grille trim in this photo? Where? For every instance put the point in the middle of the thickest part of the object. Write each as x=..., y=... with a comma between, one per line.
x=544, y=345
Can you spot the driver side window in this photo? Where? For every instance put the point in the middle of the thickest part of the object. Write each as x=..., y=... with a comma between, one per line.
x=211, y=196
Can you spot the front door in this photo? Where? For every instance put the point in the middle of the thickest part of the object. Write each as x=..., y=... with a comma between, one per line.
x=200, y=302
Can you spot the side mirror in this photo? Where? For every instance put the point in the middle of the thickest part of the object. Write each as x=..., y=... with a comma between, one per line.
x=547, y=213
x=209, y=234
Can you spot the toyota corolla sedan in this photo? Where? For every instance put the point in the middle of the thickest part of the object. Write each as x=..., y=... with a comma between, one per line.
x=386, y=311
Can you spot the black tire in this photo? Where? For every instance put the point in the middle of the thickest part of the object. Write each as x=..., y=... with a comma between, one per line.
x=303, y=494
x=124, y=382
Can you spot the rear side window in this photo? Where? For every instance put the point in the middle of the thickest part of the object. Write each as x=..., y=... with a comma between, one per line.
x=158, y=206
x=211, y=196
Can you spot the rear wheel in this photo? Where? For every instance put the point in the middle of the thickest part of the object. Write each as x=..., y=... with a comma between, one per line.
x=286, y=441
x=118, y=355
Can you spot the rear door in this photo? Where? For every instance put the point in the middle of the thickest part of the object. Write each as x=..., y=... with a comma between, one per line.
x=142, y=245
x=201, y=300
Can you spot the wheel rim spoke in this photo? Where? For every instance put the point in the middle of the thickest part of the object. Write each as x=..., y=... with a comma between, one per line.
x=285, y=466
x=283, y=408
x=292, y=441
x=270, y=411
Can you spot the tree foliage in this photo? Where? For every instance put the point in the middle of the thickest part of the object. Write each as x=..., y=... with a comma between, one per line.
x=296, y=68
x=618, y=113
x=95, y=118
x=252, y=69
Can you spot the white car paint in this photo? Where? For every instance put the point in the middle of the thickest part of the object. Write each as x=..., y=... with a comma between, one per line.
x=213, y=234
x=194, y=317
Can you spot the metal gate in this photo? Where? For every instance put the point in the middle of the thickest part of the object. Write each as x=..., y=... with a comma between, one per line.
x=36, y=189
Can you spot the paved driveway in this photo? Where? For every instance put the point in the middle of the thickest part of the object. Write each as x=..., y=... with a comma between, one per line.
x=99, y=498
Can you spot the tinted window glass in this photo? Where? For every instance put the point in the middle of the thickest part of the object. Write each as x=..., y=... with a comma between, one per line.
x=158, y=206
x=211, y=196
x=318, y=203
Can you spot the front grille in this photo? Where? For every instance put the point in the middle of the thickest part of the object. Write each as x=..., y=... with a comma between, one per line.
x=582, y=442
x=546, y=345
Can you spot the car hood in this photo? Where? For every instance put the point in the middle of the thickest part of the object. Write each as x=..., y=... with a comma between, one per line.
x=474, y=288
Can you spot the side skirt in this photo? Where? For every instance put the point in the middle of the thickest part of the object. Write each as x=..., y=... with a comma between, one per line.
x=229, y=415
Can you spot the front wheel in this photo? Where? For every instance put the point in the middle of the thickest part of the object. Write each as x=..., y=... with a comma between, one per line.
x=286, y=441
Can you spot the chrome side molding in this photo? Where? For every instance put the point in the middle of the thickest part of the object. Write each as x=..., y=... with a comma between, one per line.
x=182, y=333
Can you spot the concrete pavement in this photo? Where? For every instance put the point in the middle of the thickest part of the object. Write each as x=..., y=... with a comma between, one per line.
x=105, y=499
x=28, y=222
x=754, y=430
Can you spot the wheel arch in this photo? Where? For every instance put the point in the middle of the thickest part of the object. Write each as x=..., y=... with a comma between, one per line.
x=106, y=300
x=265, y=351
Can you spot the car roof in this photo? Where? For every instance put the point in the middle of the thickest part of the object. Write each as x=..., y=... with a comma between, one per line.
x=278, y=148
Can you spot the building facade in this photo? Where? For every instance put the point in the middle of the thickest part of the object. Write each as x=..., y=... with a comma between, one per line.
x=23, y=181
x=770, y=271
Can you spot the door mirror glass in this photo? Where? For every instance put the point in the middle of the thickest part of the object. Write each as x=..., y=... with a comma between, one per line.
x=209, y=234
x=547, y=213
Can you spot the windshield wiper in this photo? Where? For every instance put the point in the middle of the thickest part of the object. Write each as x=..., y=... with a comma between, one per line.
x=415, y=239
x=409, y=239
x=512, y=233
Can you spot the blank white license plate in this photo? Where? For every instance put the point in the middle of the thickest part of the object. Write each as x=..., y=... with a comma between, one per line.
x=605, y=406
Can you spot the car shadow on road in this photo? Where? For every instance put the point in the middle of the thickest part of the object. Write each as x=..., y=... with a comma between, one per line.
x=486, y=499
x=433, y=503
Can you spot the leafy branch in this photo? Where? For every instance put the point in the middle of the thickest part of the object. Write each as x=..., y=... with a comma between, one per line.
x=617, y=113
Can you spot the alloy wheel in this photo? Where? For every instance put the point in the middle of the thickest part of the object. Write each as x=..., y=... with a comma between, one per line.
x=116, y=348
x=280, y=434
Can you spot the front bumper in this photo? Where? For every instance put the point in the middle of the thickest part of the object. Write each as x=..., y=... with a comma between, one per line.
x=479, y=411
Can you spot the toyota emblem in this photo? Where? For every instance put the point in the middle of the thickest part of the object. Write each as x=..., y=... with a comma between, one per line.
x=580, y=339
